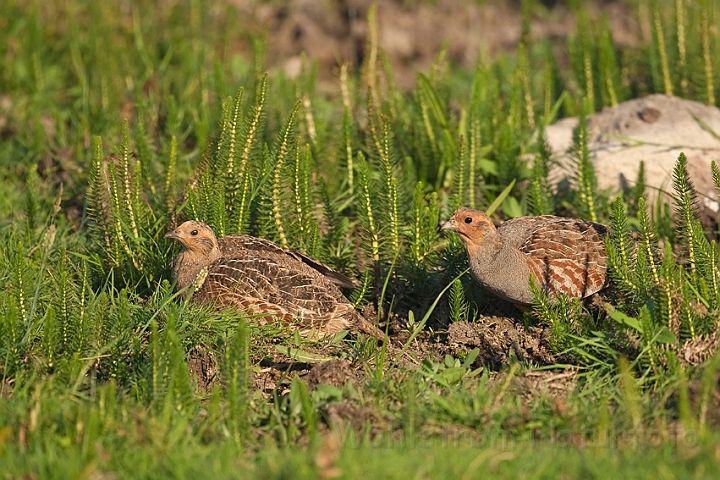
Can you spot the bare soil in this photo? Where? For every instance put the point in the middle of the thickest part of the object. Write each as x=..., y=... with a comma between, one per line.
x=412, y=32
x=501, y=340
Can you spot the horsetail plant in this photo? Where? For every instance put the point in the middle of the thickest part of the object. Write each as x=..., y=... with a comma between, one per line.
x=585, y=176
x=609, y=69
x=347, y=129
x=254, y=124
x=301, y=189
x=169, y=188
x=425, y=218
x=540, y=197
x=460, y=174
x=31, y=201
x=658, y=40
x=474, y=156
x=431, y=141
x=680, y=20
x=685, y=212
x=581, y=48
x=620, y=249
x=227, y=147
x=523, y=68
x=648, y=240
x=366, y=208
x=705, y=28
x=459, y=306
x=130, y=193
x=284, y=145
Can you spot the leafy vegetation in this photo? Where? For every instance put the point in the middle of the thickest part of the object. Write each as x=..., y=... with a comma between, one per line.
x=121, y=121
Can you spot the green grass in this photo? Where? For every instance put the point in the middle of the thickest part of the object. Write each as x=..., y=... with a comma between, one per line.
x=119, y=122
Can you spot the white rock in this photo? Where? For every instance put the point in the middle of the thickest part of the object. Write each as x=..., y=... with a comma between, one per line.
x=654, y=129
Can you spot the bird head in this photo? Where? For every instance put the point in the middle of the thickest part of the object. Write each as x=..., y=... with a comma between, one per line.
x=196, y=237
x=473, y=226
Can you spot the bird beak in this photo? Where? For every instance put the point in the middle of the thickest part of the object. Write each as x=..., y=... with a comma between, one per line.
x=449, y=225
x=172, y=234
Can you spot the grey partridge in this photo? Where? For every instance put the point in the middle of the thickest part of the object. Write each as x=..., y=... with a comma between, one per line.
x=264, y=280
x=564, y=255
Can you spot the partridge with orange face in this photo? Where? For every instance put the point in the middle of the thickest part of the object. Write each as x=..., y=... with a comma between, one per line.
x=563, y=255
x=264, y=280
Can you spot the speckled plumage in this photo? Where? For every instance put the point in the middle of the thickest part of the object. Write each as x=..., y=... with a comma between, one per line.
x=265, y=280
x=564, y=255
x=232, y=244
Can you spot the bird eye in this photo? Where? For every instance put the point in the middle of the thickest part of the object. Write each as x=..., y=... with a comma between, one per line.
x=194, y=232
x=468, y=220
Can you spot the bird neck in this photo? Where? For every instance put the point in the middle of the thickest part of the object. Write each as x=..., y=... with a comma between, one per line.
x=189, y=263
x=494, y=254
x=487, y=247
x=500, y=267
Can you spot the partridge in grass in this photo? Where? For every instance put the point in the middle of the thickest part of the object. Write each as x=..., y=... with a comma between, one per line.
x=264, y=280
x=564, y=255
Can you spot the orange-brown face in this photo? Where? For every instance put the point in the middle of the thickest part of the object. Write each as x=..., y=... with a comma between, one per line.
x=471, y=225
x=195, y=237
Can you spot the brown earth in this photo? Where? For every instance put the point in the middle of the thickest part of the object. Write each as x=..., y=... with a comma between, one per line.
x=412, y=32
x=501, y=340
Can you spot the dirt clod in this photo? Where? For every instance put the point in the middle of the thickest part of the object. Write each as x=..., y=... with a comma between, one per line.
x=499, y=338
x=356, y=416
x=696, y=351
x=335, y=372
x=203, y=369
